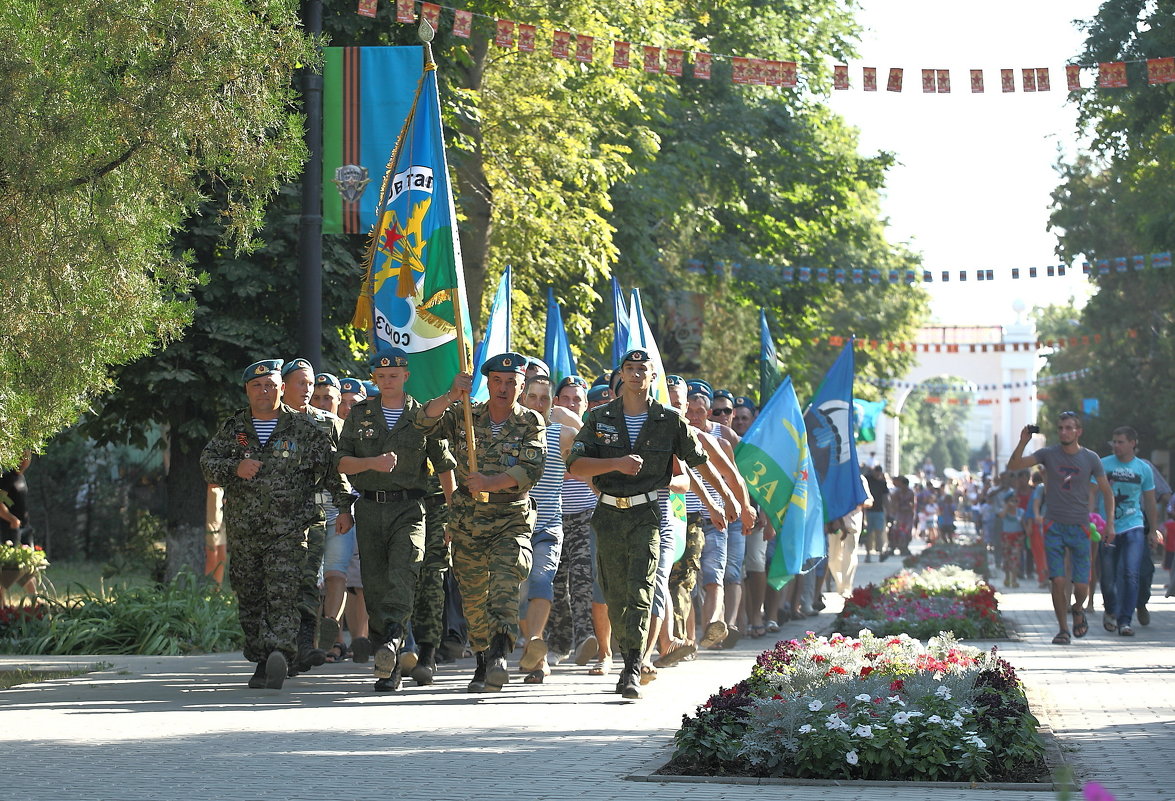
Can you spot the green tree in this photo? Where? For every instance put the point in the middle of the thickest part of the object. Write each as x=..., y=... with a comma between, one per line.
x=1115, y=201
x=116, y=121
x=932, y=421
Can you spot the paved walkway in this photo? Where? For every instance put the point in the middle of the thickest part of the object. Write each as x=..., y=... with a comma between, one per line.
x=187, y=727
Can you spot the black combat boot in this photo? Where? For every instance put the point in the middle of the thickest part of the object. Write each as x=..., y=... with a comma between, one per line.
x=629, y=685
x=478, y=683
x=275, y=670
x=389, y=684
x=426, y=665
x=257, y=680
x=497, y=674
x=387, y=656
x=309, y=654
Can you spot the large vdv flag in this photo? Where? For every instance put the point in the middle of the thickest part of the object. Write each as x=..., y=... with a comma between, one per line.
x=498, y=335
x=415, y=281
x=556, y=348
x=773, y=460
x=831, y=441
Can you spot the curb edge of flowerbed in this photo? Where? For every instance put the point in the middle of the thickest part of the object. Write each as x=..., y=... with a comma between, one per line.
x=1054, y=760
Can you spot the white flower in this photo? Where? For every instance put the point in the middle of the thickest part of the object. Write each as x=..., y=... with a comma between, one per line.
x=852, y=758
x=863, y=731
x=864, y=697
x=914, y=714
x=934, y=719
x=900, y=718
x=805, y=729
x=957, y=721
x=974, y=739
x=835, y=723
x=943, y=692
x=816, y=705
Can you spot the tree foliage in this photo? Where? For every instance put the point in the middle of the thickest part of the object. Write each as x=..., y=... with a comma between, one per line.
x=934, y=428
x=117, y=118
x=1119, y=200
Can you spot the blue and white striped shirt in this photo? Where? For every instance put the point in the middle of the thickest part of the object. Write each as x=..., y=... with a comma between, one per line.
x=548, y=490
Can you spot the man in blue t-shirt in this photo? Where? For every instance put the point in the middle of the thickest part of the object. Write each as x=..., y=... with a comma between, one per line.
x=1133, y=483
x=1068, y=471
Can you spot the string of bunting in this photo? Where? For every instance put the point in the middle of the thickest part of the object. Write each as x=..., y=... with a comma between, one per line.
x=939, y=386
x=766, y=72
x=968, y=347
x=861, y=275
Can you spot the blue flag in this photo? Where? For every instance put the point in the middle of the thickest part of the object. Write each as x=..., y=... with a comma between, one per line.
x=768, y=361
x=619, y=323
x=497, y=338
x=640, y=335
x=413, y=294
x=830, y=439
x=865, y=417
x=773, y=460
x=556, y=349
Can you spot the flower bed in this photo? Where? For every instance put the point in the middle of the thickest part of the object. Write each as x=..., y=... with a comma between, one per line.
x=925, y=603
x=970, y=557
x=878, y=708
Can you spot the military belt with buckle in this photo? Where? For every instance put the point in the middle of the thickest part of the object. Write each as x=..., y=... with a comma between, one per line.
x=629, y=501
x=390, y=496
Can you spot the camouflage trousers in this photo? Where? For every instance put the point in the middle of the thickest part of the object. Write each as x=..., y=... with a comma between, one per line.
x=429, y=606
x=628, y=543
x=571, y=613
x=266, y=574
x=684, y=576
x=391, y=548
x=309, y=597
x=491, y=559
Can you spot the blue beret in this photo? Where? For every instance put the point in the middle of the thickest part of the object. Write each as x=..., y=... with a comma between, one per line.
x=327, y=380
x=603, y=380
x=673, y=380
x=388, y=357
x=297, y=364
x=540, y=364
x=571, y=381
x=352, y=385
x=371, y=388
x=635, y=355
x=505, y=363
x=724, y=393
x=743, y=402
x=599, y=392
x=263, y=367
x=700, y=387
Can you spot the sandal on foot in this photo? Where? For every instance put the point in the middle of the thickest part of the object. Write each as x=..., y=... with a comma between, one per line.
x=1062, y=638
x=677, y=653
x=534, y=654
x=771, y=626
x=602, y=666
x=1080, y=624
x=537, y=676
x=757, y=631
x=1126, y=631
x=337, y=653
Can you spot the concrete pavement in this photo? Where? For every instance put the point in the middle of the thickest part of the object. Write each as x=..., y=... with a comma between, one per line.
x=188, y=728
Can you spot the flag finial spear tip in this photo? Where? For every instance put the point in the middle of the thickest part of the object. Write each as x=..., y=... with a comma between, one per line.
x=425, y=31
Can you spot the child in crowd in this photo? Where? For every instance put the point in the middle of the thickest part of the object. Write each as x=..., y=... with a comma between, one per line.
x=1011, y=523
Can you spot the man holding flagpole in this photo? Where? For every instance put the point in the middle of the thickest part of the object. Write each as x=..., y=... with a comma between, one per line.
x=625, y=449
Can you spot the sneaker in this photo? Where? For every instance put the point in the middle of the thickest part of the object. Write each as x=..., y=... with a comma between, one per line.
x=1125, y=631
x=587, y=650
x=1109, y=622
x=715, y=633
x=1144, y=616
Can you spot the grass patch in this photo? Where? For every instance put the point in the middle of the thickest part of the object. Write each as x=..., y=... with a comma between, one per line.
x=11, y=677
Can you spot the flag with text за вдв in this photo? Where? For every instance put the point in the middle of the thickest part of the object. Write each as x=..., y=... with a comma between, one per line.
x=415, y=282
x=773, y=460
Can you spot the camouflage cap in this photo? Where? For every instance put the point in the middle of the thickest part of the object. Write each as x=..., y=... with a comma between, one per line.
x=297, y=364
x=505, y=363
x=352, y=385
x=388, y=357
x=263, y=367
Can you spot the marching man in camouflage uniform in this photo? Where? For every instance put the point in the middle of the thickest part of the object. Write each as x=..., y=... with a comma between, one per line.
x=271, y=461
x=388, y=458
x=625, y=448
x=298, y=387
x=491, y=517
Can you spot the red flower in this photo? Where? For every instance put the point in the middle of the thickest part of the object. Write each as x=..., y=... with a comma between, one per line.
x=836, y=669
x=865, y=671
x=818, y=658
x=897, y=685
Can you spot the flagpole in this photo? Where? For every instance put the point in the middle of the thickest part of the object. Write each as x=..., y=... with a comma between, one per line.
x=426, y=33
